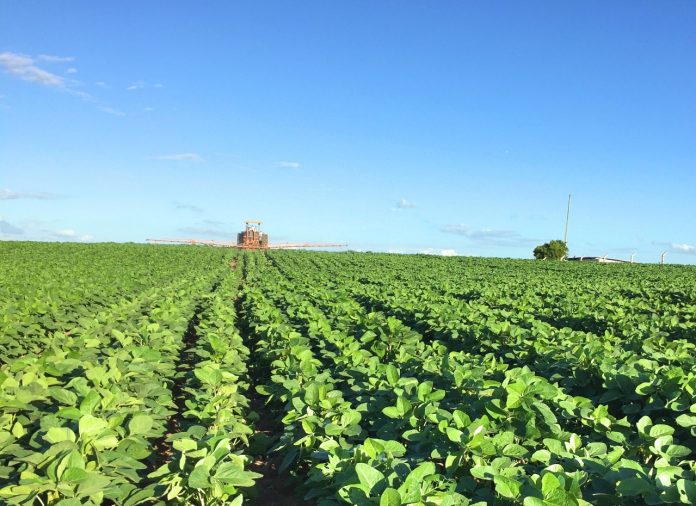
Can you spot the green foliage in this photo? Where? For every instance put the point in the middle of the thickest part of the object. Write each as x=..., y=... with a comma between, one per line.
x=457, y=384
x=552, y=250
x=88, y=392
x=389, y=380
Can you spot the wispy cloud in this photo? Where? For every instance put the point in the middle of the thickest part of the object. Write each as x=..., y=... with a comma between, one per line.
x=493, y=236
x=141, y=85
x=40, y=230
x=71, y=70
x=288, y=165
x=447, y=252
x=684, y=248
x=55, y=59
x=65, y=233
x=6, y=194
x=207, y=231
x=110, y=110
x=188, y=207
x=439, y=252
x=481, y=233
x=216, y=223
x=68, y=234
x=180, y=157
x=138, y=85
x=405, y=204
x=9, y=229
x=23, y=67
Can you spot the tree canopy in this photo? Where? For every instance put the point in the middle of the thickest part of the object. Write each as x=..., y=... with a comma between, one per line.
x=552, y=250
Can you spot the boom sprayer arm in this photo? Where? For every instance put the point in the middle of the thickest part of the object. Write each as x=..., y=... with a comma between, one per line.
x=250, y=238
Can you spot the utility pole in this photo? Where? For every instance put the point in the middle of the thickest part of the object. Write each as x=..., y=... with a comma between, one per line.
x=565, y=240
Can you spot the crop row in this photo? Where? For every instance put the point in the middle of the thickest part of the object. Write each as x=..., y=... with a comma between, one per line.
x=83, y=419
x=654, y=376
x=371, y=379
x=51, y=289
x=636, y=464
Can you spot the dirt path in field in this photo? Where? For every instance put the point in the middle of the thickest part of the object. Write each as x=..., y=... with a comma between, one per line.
x=163, y=448
x=185, y=362
x=274, y=488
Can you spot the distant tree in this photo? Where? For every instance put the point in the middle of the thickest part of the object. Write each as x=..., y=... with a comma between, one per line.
x=552, y=250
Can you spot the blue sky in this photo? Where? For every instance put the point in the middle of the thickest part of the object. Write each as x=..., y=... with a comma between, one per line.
x=392, y=126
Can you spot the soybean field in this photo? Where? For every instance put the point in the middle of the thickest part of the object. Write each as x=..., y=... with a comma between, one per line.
x=139, y=374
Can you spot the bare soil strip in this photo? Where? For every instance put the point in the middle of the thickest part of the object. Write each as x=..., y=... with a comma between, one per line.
x=274, y=489
x=186, y=362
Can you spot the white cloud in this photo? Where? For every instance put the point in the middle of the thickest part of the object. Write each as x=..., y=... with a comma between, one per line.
x=138, y=85
x=188, y=207
x=55, y=59
x=68, y=234
x=71, y=70
x=684, y=248
x=180, y=157
x=288, y=165
x=8, y=228
x=141, y=85
x=405, y=204
x=40, y=230
x=65, y=233
x=83, y=95
x=148, y=109
x=6, y=194
x=23, y=67
x=488, y=235
x=477, y=233
x=110, y=110
x=438, y=252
